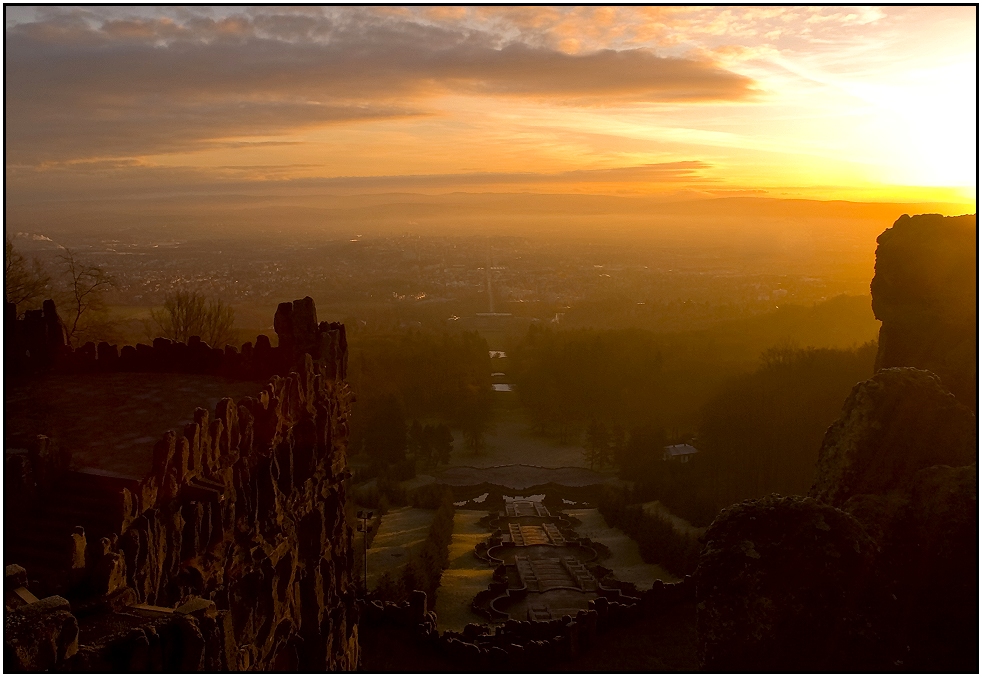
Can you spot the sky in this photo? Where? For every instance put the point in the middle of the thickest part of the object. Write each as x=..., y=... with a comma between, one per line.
x=864, y=104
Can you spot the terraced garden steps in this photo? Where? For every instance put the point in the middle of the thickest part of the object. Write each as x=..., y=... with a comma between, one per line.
x=543, y=571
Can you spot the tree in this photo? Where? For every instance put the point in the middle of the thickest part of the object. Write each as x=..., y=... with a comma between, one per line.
x=764, y=429
x=641, y=457
x=618, y=438
x=442, y=443
x=385, y=430
x=597, y=447
x=190, y=313
x=474, y=417
x=419, y=439
x=84, y=305
x=23, y=283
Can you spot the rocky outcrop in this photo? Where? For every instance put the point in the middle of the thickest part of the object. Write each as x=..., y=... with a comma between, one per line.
x=787, y=584
x=878, y=569
x=896, y=423
x=39, y=634
x=924, y=292
x=902, y=460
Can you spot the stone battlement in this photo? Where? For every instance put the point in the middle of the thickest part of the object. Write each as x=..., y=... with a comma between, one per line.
x=37, y=343
x=231, y=548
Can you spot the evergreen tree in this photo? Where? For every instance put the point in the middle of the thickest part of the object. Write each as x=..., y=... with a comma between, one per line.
x=442, y=443
x=415, y=440
x=385, y=430
x=641, y=457
x=597, y=447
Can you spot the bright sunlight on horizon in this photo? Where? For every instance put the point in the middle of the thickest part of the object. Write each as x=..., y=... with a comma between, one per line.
x=825, y=103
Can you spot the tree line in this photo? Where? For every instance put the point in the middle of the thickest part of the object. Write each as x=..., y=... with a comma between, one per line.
x=80, y=288
x=757, y=432
x=424, y=568
x=412, y=388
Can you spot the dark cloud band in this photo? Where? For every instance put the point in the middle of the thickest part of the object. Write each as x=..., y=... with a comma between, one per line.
x=80, y=85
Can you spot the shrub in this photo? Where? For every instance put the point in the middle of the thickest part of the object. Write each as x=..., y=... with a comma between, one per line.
x=428, y=496
x=659, y=542
x=424, y=569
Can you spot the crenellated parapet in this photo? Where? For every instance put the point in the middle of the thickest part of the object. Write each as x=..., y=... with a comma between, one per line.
x=235, y=536
x=38, y=343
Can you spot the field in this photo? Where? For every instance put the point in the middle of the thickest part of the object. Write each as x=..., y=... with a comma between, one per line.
x=682, y=526
x=402, y=530
x=465, y=577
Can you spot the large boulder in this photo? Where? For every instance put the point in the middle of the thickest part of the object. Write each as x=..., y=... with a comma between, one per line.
x=787, y=584
x=893, y=425
x=924, y=292
x=936, y=562
x=38, y=635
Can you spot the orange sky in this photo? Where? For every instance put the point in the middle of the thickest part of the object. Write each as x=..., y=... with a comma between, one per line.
x=825, y=103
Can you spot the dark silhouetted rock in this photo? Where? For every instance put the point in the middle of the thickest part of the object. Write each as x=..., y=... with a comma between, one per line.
x=935, y=561
x=894, y=424
x=924, y=292
x=786, y=584
x=39, y=635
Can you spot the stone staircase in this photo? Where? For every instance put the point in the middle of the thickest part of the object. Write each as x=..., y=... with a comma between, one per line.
x=552, y=531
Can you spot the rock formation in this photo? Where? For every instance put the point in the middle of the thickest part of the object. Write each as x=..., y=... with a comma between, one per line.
x=896, y=423
x=924, y=292
x=232, y=553
x=878, y=568
x=880, y=572
x=880, y=575
x=902, y=459
x=787, y=584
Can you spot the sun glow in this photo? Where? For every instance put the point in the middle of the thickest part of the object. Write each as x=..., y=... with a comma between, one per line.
x=818, y=102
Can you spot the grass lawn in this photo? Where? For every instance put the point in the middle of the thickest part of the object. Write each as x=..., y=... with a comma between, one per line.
x=402, y=530
x=625, y=559
x=682, y=526
x=465, y=577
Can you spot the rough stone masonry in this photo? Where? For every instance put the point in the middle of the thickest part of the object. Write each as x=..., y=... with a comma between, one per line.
x=232, y=553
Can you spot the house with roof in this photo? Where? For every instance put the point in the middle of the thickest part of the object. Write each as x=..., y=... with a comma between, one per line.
x=679, y=452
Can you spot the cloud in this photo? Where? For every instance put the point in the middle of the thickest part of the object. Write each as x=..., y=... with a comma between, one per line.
x=127, y=179
x=689, y=171
x=83, y=84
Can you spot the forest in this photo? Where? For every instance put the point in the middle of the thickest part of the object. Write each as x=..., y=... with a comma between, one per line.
x=412, y=387
x=629, y=393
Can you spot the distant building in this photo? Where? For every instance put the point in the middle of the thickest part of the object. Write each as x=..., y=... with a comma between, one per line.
x=679, y=452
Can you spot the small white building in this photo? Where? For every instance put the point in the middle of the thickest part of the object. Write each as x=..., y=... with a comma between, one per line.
x=679, y=452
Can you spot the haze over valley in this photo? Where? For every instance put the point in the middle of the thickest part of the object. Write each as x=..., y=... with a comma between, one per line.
x=491, y=339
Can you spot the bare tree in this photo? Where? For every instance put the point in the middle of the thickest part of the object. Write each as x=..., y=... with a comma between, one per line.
x=190, y=313
x=84, y=305
x=23, y=282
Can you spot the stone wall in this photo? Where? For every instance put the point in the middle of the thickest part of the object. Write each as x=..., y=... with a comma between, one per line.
x=513, y=646
x=37, y=343
x=924, y=292
x=232, y=553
